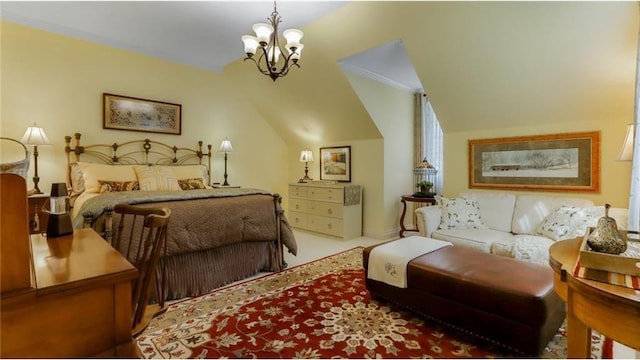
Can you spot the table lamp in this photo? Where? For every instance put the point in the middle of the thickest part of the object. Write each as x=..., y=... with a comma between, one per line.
x=225, y=147
x=306, y=156
x=35, y=136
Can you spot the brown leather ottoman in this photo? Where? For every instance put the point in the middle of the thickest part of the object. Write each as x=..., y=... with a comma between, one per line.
x=506, y=301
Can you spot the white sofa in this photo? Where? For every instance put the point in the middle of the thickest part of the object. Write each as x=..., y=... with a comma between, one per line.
x=517, y=226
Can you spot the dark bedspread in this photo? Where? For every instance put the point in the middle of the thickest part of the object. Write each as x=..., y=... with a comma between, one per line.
x=205, y=219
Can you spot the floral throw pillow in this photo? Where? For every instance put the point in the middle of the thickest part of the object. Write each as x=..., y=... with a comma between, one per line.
x=459, y=214
x=191, y=184
x=566, y=222
x=117, y=186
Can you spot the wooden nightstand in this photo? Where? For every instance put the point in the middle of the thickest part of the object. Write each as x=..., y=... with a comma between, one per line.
x=37, y=217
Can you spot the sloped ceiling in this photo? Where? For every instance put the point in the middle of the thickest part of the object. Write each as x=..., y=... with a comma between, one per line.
x=484, y=65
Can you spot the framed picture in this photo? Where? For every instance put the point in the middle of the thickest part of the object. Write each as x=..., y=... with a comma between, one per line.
x=335, y=163
x=128, y=113
x=558, y=162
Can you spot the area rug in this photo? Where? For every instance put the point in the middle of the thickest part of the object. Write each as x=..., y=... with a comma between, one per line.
x=316, y=310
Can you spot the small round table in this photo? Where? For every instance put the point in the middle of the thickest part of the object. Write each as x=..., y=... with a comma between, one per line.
x=416, y=199
x=612, y=310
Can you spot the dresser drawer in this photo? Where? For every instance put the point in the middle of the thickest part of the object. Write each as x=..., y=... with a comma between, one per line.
x=325, y=225
x=298, y=219
x=298, y=191
x=333, y=210
x=328, y=194
x=299, y=205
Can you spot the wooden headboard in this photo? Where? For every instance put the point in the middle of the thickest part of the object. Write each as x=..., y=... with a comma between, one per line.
x=133, y=152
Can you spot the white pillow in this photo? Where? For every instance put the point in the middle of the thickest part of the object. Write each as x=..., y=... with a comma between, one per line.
x=567, y=222
x=92, y=172
x=157, y=178
x=184, y=172
x=460, y=214
x=77, y=182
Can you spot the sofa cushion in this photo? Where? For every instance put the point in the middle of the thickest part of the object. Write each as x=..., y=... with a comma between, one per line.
x=529, y=248
x=459, y=213
x=479, y=239
x=531, y=210
x=496, y=209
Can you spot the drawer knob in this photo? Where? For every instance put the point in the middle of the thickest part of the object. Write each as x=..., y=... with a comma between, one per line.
x=330, y=211
x=329, y=226
x=297, y=206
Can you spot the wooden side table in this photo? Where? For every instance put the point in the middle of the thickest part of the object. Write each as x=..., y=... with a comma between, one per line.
x=80, y=305
x=612, y=310
x=37, y=217
x=415, y=199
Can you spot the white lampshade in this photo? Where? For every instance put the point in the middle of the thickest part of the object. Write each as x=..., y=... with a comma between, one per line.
x=226, y=146
x=626, y=153
x=296, y=55
x=263, y=32
x=250, y=44
x=274, y=50
x=35, y=136
x=306, y=156
x=293, y=37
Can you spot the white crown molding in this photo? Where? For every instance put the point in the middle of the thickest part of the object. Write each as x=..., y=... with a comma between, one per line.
x=377, y=77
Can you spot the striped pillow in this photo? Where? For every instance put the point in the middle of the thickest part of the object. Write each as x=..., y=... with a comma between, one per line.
x=157, y=178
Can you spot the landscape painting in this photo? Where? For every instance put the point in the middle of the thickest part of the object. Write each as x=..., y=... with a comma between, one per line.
x=562, y=162
x=335, y=163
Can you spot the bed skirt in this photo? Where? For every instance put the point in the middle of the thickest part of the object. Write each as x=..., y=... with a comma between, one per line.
x=197, y=273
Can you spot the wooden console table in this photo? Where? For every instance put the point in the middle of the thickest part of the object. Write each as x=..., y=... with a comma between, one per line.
x=612, y=310
x=416, y=199
x=79, y=306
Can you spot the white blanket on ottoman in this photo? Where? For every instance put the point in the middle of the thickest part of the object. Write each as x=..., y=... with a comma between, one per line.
x=388, y=262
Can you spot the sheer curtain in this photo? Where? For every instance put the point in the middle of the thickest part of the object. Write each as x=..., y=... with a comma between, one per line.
x=428, y=138
x=634, y=194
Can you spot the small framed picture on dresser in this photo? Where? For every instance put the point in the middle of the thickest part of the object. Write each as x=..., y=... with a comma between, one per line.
x=335, y=163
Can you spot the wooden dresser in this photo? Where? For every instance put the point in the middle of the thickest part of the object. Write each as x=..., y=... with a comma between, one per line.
x=332, y=209
x=70, y=296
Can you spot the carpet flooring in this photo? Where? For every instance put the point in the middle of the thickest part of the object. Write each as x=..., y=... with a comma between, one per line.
x=316, y=310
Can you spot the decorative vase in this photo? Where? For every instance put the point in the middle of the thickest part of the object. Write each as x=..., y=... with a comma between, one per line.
x=605, y=237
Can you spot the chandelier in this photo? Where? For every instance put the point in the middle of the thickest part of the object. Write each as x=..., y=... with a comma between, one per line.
x=267, y=40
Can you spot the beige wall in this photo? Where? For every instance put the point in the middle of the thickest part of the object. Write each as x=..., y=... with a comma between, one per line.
x=58, y=82
x=392, y=111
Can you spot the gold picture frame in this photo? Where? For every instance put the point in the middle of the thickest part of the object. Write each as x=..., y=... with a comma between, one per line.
x=135, y=114
x=555, y=162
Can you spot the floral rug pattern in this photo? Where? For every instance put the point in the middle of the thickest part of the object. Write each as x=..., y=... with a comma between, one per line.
x=316, y=310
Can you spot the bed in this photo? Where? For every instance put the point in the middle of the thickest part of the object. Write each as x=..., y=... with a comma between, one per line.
x=215, y=235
